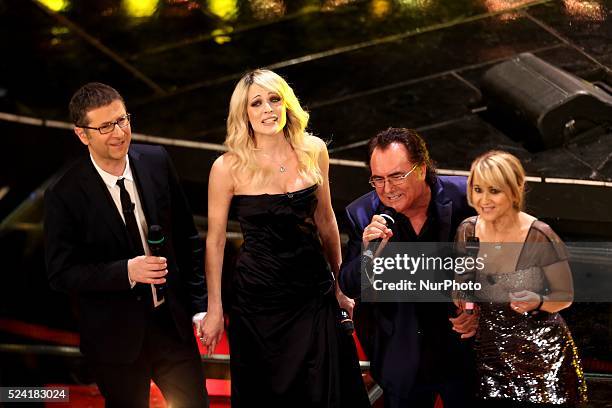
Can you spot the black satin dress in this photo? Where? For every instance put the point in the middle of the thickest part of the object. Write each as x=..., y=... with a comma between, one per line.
x=286, y=347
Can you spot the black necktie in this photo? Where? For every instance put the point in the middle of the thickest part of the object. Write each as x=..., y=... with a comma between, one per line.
x=128, y=208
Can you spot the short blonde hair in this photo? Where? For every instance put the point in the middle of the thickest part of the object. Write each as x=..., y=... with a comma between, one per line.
x=240, y=139
x=500, y=169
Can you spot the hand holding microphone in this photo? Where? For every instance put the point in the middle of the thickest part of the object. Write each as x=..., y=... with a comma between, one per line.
x=375, y=236
x=157, y=244
x=378, y=232
x=345, y=322
x=147, y=269
x=472, y=246
x=345, y=312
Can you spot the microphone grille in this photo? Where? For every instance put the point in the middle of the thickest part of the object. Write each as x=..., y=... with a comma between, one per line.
x=156, y=233
x=389, y=215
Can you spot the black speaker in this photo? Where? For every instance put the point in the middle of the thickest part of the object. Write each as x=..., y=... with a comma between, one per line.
x=559, y=105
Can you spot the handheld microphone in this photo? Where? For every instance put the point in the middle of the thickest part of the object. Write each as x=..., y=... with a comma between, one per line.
x=345, y=322
x=472, y=246
x=367, y=257
x=157, y=243
x=388, y=214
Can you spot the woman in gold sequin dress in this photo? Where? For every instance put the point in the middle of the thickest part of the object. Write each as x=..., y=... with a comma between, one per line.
x=525, y=354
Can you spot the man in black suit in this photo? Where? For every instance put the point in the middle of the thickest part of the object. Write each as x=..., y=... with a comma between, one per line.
x=96, y=220
x=414, y=352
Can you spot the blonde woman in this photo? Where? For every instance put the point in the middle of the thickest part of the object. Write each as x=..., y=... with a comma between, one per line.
x=525, y=354
x=286, y=347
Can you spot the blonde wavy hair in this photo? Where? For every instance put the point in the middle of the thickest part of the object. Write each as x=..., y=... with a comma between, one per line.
x=240, y=139
x=502, y=170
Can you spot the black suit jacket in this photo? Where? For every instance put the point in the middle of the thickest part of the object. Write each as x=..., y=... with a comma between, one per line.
x=389, y=332
x=87, y=249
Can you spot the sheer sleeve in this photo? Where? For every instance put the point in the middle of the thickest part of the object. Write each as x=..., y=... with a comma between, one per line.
x=543, y=247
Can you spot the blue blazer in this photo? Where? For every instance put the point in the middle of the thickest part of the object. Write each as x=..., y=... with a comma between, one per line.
x=391, y=337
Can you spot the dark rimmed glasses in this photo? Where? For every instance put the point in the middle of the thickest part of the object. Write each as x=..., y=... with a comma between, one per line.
x=122, y=122
x=394, y=180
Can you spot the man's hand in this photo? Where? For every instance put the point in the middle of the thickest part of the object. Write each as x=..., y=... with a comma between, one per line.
x=148, y=269
x=465, y=324
x=377, y=228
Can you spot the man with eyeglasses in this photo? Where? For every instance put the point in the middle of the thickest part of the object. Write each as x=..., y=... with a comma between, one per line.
x=135, y=309
x=416, y=350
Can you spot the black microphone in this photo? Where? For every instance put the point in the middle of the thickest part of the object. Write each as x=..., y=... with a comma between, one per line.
x=157, y=244
x=472, y=246
x=345, y=322
x=388, y=214
x=367, y=257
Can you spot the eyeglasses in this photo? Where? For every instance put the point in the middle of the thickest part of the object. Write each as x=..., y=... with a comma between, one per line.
x=122, y=122
x=395, y=180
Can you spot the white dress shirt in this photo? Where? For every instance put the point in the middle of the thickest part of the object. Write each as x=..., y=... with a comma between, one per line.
x=111, y=183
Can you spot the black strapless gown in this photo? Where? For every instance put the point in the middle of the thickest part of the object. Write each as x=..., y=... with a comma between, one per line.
x=286, y=347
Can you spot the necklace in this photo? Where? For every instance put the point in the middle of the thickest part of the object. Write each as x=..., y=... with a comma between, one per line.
x=496, y=242
x=499, y=238
x=281, y=166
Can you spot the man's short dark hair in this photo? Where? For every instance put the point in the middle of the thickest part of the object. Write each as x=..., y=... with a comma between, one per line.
x=91, y=96
x=414, y=144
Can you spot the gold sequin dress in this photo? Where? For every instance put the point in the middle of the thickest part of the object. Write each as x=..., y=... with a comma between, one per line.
x=525, y=357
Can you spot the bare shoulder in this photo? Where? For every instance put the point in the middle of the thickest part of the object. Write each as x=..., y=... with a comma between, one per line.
x=223, y=164
x=221, y=171
x=316, y=141
x=526, y=220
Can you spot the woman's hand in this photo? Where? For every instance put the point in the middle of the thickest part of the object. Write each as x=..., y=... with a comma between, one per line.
x=211, y=330
x=459, y=299
x=524, y=301
x=345, y=302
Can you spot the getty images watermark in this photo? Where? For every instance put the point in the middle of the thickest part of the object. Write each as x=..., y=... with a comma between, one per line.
x=485, y=272
x=407, y=264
